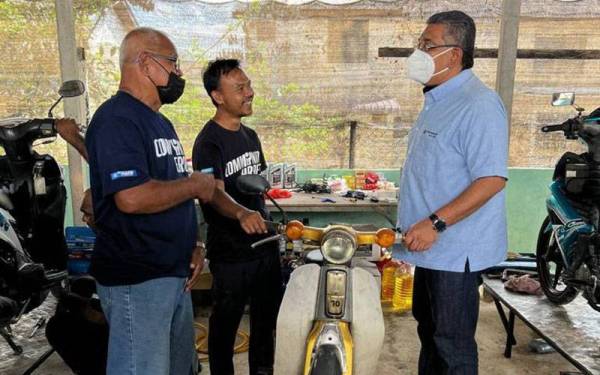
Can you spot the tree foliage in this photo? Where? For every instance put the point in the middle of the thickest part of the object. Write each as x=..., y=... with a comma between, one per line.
x=30, y=76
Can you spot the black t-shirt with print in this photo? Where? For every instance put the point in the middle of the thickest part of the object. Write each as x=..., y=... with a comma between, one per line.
x=231, y=154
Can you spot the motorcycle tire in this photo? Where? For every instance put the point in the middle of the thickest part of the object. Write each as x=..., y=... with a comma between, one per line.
x=546, y=255
x=326, y=362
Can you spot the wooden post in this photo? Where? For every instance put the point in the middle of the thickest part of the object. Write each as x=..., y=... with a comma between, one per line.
x=507, y=53
x=74, y=107
x=492, y=53
x=352, y=146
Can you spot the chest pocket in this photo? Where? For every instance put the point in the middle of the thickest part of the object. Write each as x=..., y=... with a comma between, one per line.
x=432, y=164
x=430, y=148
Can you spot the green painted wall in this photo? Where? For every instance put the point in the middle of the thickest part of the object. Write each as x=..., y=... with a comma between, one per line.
x=527, y=190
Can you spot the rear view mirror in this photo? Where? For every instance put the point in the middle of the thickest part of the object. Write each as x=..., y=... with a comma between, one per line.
x=561, y=99
x=71, y=89
x=252, y=184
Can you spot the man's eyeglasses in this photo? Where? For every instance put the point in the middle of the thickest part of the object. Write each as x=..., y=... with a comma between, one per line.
x=427, y=46
x=173, y=59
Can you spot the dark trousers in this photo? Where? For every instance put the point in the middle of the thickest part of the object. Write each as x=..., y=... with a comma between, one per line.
x=82, y=344
x=234, y=284
x=446, y=307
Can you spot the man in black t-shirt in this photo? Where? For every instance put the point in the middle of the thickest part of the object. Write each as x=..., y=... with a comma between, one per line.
x=144, y=213
x=240, y=274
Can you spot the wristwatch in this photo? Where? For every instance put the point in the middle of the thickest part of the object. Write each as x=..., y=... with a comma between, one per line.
x=439, y=225
x=200, y=244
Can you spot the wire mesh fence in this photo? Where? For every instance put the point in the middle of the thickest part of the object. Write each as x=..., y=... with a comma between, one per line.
x=315, y=68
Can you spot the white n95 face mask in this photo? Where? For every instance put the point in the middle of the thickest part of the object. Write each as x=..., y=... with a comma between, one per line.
x=421, y=66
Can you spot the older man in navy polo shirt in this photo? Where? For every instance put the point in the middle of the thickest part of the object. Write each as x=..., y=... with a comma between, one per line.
x=451, y=200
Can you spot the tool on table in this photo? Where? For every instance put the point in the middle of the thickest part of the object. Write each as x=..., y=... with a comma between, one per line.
x=38, y=324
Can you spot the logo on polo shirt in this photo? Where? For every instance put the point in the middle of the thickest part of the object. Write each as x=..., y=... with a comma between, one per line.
x=430, y=134
x=122, y=174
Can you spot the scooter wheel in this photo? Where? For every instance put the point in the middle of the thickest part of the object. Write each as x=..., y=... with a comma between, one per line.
x=551, y=268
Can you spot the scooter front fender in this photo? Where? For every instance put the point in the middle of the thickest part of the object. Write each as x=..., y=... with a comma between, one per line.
x=368, y=330
x=295, y=320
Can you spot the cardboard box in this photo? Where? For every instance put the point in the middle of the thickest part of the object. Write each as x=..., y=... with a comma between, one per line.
x=276, y=175
x=360, y=176
x=289, y=176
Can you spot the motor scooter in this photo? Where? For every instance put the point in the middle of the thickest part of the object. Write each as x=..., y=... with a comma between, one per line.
x=330, y=320
x=33, y=252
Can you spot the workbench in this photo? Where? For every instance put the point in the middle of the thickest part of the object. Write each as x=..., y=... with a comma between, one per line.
x=306, y=202
x=573, y=330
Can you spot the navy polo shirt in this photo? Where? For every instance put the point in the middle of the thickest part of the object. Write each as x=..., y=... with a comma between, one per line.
x=128, y=145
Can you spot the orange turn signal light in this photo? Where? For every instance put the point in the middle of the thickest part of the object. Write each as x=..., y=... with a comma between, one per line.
x=385, y=237
x=294, y=230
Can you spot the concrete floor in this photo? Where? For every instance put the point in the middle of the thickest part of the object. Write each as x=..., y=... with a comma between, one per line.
x=399, y=356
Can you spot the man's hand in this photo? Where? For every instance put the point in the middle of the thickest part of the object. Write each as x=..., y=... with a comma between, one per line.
x=196, y=266
x=252, y=222
x=421, y=236
x=68, y=129
x=205, y=186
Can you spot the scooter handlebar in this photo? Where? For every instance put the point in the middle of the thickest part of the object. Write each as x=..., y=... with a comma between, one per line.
x=266, y=240
x=31, y=130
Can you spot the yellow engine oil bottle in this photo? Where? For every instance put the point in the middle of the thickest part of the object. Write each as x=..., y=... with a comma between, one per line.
x=387, y=281
x=403, y=289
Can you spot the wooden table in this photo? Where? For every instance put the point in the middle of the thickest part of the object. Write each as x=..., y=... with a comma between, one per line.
x=305, y=202
x=573, y=330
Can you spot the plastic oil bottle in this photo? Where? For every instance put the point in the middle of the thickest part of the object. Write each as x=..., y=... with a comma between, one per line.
x=403, y=289
x=387, y=280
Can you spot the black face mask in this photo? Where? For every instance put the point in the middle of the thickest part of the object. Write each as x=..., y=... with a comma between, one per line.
x=173, y=90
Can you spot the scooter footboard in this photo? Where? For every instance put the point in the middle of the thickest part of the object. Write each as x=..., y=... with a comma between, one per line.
x=367, y=327
x=295, y=320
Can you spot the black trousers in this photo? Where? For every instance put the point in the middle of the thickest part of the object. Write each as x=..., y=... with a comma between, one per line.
x=82, y=344
x=446, y=307
x=234, y=284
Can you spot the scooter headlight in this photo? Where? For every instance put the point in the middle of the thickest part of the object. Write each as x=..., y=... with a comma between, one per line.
x=338, y=246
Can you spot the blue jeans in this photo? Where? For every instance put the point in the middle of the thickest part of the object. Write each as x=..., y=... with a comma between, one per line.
x=446, y=307
x=151, y=328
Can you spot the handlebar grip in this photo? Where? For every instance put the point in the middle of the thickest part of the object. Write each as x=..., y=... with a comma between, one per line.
x=553, y=128
x=42, y=128
x=47, y=127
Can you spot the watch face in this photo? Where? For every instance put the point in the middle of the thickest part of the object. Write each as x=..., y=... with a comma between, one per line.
x=438, y=224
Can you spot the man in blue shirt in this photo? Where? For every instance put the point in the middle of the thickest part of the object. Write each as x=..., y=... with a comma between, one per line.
x=451, y=207
x=144, y=214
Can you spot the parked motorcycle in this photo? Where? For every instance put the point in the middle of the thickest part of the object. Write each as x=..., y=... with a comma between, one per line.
x=330, y=320
x=33, y=252
x=568, y=248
